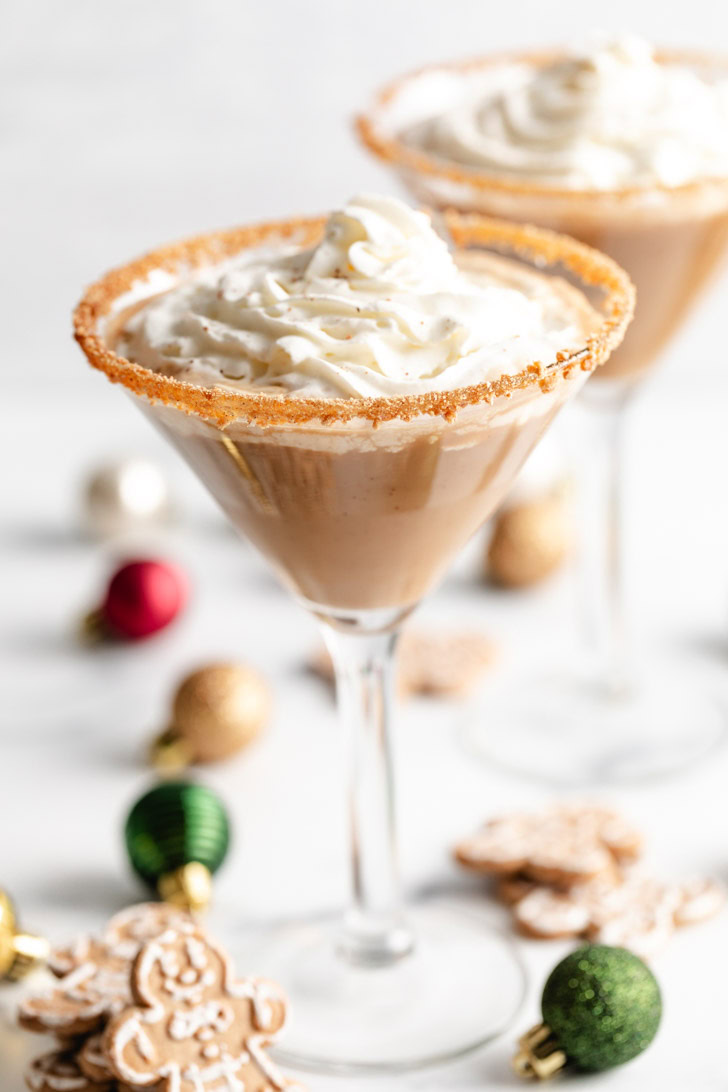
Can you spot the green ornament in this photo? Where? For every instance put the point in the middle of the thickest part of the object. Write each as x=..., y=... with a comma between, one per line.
x=177, y=836
x=601, y=1007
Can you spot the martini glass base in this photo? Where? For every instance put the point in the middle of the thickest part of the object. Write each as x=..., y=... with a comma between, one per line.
x=461, y=985
x=570, y=731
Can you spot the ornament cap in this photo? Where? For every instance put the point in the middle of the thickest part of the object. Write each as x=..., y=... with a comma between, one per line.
x=19, y=952
x=189, y=887
x=93, y=628
x=28, y=951
x=170, y=753
x=539, y=1056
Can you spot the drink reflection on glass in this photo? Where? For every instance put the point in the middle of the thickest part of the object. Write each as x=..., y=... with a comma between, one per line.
x=626, y=150
x=358, y=398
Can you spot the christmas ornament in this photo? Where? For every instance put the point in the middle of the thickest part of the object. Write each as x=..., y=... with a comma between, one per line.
x=216, y=711
x=127, y=495
x=143, y=597
x=532, y=533
x=177, y=837
x=20, y=952
x=601, y=1007
x=530, y=541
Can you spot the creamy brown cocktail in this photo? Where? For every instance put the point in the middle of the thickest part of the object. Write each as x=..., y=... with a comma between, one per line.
x=621, y=148
x=358, y=397
x=327, y=507
x=627, y=149
x=359, y=508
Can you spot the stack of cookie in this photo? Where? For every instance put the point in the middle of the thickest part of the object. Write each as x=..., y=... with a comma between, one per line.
x=153, y=1002
x=571, y=872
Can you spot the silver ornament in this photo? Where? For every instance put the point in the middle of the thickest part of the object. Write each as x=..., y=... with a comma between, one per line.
x=127, y=495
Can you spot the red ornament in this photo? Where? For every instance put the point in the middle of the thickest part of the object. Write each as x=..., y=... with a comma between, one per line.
x=142, y=598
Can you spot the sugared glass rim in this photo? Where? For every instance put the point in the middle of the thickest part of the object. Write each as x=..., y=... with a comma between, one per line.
x=222, y=406
x=389, y=148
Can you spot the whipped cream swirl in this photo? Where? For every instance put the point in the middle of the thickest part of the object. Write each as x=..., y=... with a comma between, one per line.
x=378, y=308
x=605, y=117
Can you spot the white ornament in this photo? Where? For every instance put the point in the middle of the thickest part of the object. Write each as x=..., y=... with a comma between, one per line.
x=124, y=496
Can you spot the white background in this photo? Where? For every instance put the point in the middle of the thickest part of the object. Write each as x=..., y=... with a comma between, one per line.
x=127, y=124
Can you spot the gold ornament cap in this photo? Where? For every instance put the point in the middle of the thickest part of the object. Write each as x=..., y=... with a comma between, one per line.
x=189, y=887
x=170, y=754
x=539, y=1056
x=20, y=952
x=92, y=629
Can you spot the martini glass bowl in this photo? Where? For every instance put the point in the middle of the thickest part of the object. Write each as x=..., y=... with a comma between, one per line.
x=359, y=505
x=603, y=713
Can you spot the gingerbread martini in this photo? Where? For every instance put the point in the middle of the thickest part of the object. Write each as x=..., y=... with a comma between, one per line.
x=615, y=143
x=358, y=396
x=626, y=148
x=376, y=310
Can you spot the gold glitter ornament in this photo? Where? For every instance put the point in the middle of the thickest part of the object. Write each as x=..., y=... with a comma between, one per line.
x=20, y=952
x=531, y=539
x=216, y=711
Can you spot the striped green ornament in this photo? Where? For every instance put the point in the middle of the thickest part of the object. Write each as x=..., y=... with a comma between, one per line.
x=177, y=830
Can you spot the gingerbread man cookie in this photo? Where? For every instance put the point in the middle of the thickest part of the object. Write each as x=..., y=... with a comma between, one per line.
x=639, y=913
x=92, y=1060
x=125, y=933
x=94, y=974
x=194, y=1027
x=564, y=845
x=59, y=1071
x=433, y=664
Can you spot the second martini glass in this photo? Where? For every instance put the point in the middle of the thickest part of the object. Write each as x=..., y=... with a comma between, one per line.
x=359, y=504
x=607, y=719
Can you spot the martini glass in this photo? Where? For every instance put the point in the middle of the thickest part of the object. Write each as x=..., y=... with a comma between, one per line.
x=610, y=716
x=359, y=505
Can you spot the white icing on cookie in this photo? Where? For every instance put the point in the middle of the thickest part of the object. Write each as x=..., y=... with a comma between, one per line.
x=700, y=900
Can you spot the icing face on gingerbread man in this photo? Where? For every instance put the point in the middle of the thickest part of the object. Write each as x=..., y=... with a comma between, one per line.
x=195, y=1029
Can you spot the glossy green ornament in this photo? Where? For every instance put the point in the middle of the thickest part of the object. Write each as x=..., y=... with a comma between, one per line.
x=177, y=836
x=601, y=1007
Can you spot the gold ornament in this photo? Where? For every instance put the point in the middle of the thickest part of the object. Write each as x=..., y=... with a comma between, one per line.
x=19, y=952
x=531, y=539
x=216, y=711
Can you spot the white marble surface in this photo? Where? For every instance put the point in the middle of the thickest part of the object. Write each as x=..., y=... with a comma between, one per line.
x=73, y=722
x=127, y=124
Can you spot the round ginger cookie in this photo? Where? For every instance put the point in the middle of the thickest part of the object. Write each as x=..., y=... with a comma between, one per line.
x=59, y=1071
x=92, y=1060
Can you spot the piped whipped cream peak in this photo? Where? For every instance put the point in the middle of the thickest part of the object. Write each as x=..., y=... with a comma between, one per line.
x=605, y=116
x=378, y=308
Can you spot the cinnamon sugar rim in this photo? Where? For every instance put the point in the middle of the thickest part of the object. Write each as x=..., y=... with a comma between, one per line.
x=391, y=149
x=223, y=405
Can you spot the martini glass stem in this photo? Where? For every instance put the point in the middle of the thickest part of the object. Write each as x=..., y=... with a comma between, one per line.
x=604, y=554
x=374, y=930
